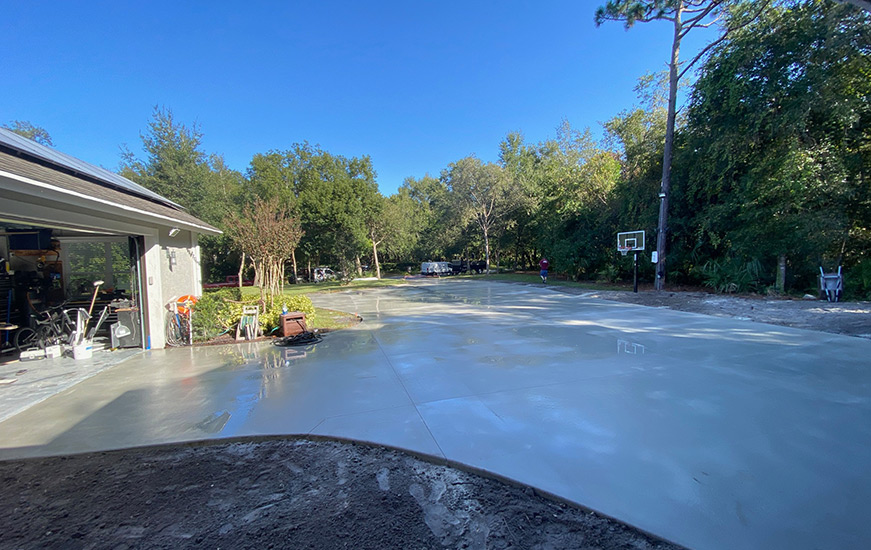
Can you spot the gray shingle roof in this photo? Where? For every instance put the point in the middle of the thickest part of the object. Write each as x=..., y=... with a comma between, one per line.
x=22, y=165
x=62, y=160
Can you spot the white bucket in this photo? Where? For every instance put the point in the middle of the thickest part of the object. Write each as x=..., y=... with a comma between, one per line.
x=83, y=351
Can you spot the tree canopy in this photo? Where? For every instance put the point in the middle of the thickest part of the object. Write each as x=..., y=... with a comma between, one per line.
x=771, y=162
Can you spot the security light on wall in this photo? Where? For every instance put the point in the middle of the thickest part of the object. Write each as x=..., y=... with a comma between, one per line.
x=174, y=231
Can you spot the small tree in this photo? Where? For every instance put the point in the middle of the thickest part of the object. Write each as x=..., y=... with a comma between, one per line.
x=268, y=235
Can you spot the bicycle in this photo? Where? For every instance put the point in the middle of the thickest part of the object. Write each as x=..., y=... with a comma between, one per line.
x=51, y=326
x=179, y=330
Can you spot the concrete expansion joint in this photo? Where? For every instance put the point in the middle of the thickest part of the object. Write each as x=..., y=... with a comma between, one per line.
x=408, y=395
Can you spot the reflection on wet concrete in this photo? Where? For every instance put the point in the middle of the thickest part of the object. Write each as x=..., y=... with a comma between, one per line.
x=712, y=432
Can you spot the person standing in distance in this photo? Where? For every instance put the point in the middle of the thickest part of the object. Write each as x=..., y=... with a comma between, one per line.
x=543, y=264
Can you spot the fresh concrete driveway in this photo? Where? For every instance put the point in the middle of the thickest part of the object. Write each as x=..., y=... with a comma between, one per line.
x=710, y=432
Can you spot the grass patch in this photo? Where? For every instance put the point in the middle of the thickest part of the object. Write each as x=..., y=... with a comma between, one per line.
x=330, y=319
x=534, y=278
x=328, y=286
x=325, y=319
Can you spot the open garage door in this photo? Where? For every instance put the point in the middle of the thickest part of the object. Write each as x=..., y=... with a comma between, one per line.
x=50, y=270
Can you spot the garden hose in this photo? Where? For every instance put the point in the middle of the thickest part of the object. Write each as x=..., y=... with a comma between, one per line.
x=301, y=339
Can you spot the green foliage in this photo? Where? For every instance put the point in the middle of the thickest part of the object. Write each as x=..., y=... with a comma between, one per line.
x=776, y=148
x=403, y=222
x=609, y=273
x=857, y=283
x=731, y=275
x=219, y=311
x=224, y=293
x=481, y=193
x=435, y=228
x=219, y=257
x=212, y=313
x=333, y=196
x=568, y=216
x=176, y=168
x=270, y=317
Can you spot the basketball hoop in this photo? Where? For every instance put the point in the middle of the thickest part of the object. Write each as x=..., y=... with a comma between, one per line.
x=631, y=240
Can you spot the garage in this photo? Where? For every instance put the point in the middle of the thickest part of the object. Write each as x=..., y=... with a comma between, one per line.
x=77, y=237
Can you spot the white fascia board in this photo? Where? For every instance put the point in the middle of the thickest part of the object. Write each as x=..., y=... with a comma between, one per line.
x=50, y=213
x=87, y=201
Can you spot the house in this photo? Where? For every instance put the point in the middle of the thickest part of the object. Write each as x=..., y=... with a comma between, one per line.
x=65, y=223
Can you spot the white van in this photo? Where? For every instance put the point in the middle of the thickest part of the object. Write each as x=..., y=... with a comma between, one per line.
x=435, y=269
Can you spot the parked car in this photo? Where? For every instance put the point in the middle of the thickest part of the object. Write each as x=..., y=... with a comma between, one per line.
x=478, y=266
x=230, y=281
x=320, y=274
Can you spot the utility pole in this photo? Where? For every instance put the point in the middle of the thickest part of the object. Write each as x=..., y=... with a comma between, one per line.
x=660, y=239
x=673, y=77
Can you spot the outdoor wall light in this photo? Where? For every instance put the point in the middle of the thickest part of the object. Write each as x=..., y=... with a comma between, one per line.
x=174, y=231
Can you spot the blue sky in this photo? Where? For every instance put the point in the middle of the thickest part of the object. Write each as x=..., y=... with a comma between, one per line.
x=414, y=85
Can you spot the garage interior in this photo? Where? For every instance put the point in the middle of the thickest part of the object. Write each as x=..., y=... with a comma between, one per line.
x=44, y=269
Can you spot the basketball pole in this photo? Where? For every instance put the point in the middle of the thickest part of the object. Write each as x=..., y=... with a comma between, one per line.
x=635, y=276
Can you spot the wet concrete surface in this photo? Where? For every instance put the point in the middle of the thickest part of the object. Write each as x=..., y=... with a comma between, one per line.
x=710, y=432
x=23, y=384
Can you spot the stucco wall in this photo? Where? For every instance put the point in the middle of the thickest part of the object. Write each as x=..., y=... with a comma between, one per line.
x=179, y=265
x=165, y=280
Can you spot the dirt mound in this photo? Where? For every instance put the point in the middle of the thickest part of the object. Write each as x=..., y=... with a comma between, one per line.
x=295, y=493
x=847, y=318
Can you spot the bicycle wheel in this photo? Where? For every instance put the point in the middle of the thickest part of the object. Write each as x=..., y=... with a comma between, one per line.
x=26, y=338
x=174, y=333
x=48, y=335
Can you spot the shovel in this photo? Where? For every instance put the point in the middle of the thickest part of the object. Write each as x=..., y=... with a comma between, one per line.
x=97, y=285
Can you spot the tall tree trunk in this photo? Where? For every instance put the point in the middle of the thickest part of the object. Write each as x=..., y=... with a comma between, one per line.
x=781, y=274
x=486, y=251
x=241, y=271
x=258, y=278
x=375, y=255
x=358, y=265
x=293, y=258
x=662, y=228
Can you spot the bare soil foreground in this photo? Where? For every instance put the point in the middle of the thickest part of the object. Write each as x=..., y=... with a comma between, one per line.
x=283, y=493
x=847, y=318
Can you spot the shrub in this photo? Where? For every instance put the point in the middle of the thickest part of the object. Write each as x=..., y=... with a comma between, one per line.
x=212, y=316
x=610, y=273
x=219, y=311
x=269, y=318
x=732, y=275
x=858, y=283
x=227, y=292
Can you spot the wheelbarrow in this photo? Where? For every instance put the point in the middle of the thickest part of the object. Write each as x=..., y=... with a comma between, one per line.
x=831, y=285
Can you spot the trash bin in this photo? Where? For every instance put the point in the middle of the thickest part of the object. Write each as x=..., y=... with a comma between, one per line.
x=292, y=323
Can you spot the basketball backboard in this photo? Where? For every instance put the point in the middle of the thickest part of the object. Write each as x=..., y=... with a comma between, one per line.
x=630, y=240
